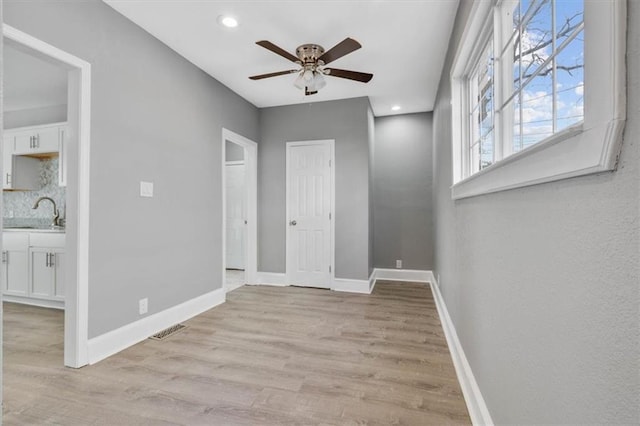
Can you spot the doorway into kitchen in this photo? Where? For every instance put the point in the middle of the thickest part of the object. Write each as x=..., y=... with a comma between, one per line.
x=239, y=195
x=45, y=170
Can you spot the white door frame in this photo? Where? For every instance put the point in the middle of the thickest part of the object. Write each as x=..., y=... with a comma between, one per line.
x=76, y=316
x=251, y=194
x=332, y=197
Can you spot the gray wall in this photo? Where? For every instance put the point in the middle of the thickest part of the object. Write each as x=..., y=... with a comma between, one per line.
x=346, y=122
x=403, y=227
x=155, y=117
x=542, y=282
x=35, y=116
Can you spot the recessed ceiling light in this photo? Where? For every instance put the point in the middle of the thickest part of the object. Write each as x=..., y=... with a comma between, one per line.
x=227, y=21
x=395, y=108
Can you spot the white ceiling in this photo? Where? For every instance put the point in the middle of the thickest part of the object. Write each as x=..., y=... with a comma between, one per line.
x=30, y=82
x=404, y=45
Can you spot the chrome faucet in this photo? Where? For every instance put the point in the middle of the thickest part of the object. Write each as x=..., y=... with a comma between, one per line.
x=56, y=213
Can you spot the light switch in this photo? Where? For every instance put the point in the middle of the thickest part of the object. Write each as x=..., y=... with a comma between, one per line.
x=146, y=189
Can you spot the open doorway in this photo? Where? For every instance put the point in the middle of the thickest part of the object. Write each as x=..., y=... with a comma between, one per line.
x=46, y=190
x=236, y=209
x=34, y=208
x=239, y=194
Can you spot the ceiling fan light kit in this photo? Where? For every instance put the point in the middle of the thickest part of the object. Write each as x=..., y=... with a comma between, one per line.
x=312, y=58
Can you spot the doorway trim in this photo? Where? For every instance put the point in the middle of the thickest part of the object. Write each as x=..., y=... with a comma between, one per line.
x=251, y=170
x=76, y=316
x=332, y=208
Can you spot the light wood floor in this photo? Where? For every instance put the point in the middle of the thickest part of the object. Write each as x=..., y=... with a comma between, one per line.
x=268, y=356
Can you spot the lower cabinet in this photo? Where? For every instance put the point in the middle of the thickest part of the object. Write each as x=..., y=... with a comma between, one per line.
x=15, y=263
x=46, y=273
x=33, y=267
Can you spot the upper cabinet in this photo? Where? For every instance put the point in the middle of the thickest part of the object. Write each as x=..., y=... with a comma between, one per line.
x=37, y=140
x=20, y=173
x=33, y=142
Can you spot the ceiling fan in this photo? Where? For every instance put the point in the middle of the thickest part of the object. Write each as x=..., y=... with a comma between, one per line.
x=312, y=58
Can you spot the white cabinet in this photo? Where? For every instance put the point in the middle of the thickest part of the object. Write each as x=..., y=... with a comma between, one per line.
x=37, y=140
x=33, y=267
x=15, y=263
x=19, y=173
x=23, y=147
x=46, y=273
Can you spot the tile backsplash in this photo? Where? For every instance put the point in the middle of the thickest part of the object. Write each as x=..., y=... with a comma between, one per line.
x=18, y=204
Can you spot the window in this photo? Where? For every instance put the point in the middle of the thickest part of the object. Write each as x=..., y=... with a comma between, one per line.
x=538, y=92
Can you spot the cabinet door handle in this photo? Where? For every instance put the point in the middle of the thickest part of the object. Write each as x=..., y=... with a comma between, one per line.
x=5, y=257
x=52, y=260
x=30, y=141
x=8, y=178
x=37, y=140
x=47, y=261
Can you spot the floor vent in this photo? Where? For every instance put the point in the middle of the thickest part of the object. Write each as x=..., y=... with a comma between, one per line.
x=168, y=332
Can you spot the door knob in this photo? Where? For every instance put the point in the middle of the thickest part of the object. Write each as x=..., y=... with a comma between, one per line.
x=293, y=223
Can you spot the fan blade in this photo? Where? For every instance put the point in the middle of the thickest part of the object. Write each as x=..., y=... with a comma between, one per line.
x=351, y=75
x=277, y=50
x=273, y=74
x=307, y=92
x=345, y=47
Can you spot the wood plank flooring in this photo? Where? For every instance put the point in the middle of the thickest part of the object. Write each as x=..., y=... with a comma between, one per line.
x=268, y=356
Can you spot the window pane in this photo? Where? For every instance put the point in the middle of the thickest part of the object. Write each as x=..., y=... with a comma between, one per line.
x=475, y=158
x=569, y=15
x=517, y=140
x=537, y=36
x=486, y=150
x=570, y=84
x=481, y=92
x=537, y=109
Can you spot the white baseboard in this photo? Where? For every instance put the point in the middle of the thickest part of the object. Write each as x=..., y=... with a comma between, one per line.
x=272, y=278
x=478, y=410
x=351, y=286
x=372, y=281
x=119, y=339
x=412, y=275
x=42, y=303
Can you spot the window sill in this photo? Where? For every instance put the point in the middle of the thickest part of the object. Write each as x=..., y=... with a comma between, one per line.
x=576, y=151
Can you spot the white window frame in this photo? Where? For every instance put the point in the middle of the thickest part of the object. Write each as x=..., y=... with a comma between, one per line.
x=590, y=147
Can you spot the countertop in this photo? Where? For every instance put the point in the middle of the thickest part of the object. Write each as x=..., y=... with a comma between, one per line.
x=47, y=229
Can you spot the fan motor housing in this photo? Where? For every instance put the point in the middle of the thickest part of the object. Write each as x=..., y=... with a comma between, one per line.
x=309, y=53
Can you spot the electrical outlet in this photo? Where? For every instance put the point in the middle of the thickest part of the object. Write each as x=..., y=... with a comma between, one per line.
x=143, y=306
x=398, y=264
x=146, y=189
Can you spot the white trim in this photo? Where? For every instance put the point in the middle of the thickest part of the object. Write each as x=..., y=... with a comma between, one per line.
x=272, y=278
x=351, y=286
x=592, y=147
x=413, y=275
x=478, y=410
x=332, y=209
x=110, y=343
x=42, y=303
x=251, y=170
x=372, y=280
x=76, y=322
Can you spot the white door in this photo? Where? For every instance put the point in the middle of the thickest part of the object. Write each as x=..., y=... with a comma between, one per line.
x=309, y=195
x=235, y=226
